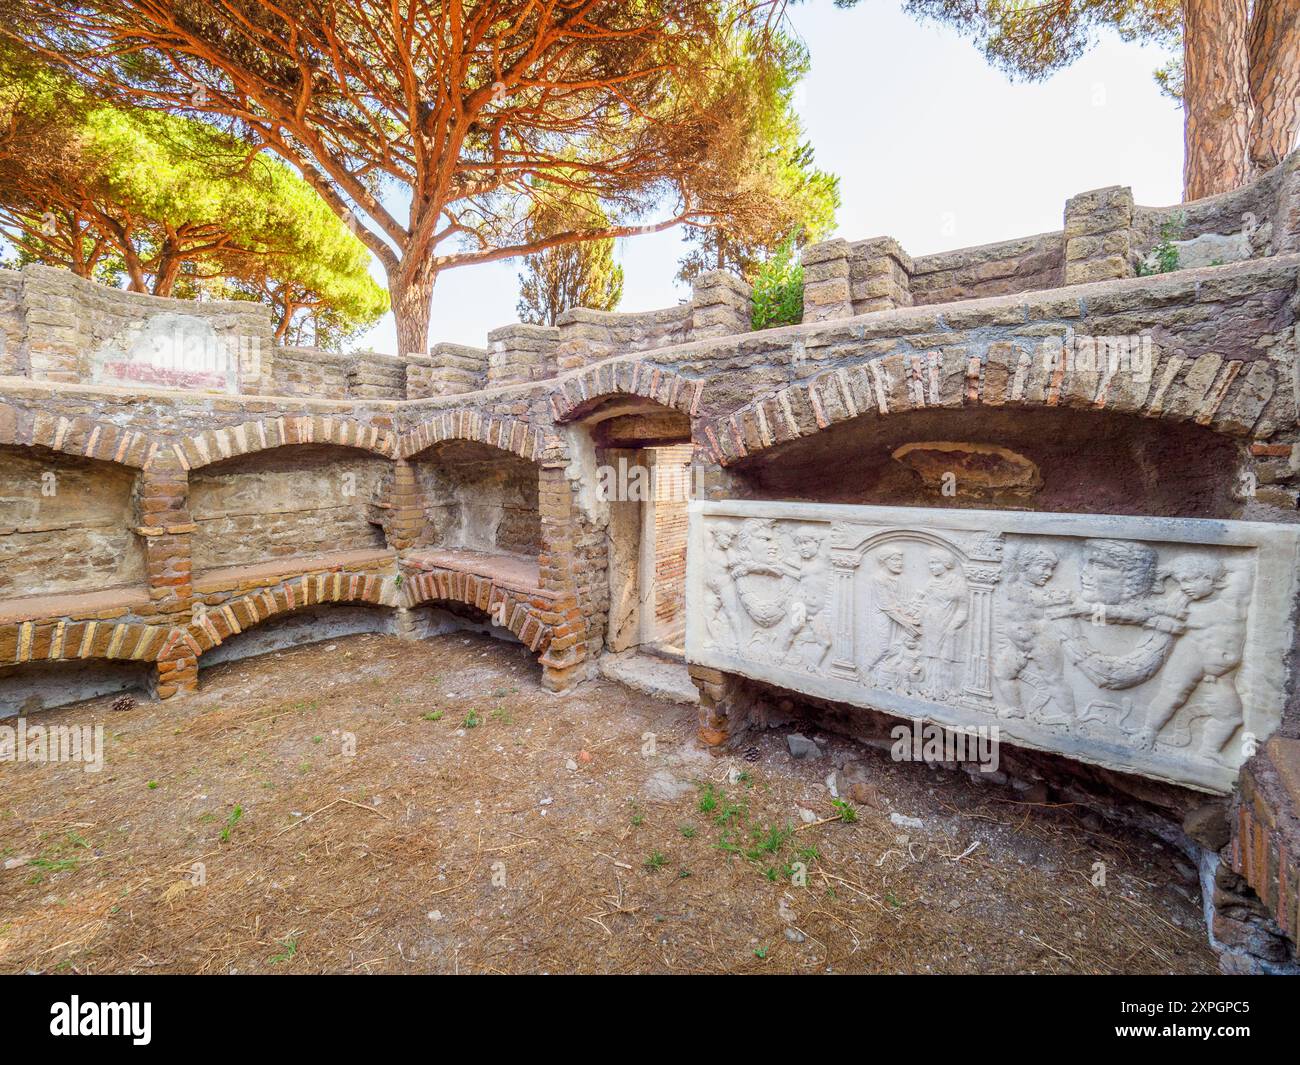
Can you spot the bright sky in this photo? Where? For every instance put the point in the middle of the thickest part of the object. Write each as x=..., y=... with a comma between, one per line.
x=933, y=147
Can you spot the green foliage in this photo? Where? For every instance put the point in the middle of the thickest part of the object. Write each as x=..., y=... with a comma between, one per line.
x=578, y=274
x=778, y=288
x=235, y=816
x=767, y=841
x=53, y=865
x=772, y=187
x=848, y=814
x=460, y=116
x=172, y=206
x=1170, y=77
x=726, y=844
x=1034, y=40
x=730, y=812
x=1164, y=256
x=288, y=949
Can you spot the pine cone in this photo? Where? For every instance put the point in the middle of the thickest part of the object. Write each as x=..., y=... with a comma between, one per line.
x=124, y=702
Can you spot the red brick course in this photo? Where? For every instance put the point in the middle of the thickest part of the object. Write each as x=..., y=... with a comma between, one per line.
x=1265, y=848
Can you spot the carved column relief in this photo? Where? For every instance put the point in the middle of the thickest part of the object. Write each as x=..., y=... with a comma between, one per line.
x=844, y=664
x=982, y=581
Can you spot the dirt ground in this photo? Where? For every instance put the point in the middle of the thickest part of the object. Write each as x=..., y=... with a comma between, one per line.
x=378, y=806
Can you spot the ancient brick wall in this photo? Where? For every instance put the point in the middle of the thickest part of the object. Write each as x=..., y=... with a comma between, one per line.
x=478, y=498
x=65, y=525
x=74, y=328
x=308, y=372
x=283, y=502
x=200, y=496
x=672, y=471
x=1023, y=265
x=985, y=349
x=12, y=324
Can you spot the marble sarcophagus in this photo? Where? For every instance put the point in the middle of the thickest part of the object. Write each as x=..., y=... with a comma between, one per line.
x=1150, y=645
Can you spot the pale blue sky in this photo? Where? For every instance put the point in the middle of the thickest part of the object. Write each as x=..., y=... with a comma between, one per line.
x=932, y=145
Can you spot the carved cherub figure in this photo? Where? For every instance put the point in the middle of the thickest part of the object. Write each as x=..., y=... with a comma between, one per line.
x=1203, y=659
x=721, y=610
x=1028, y=665
x=717, y=624
x=806, y=639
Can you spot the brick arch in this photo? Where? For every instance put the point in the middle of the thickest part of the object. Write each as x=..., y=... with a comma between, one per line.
x=219, y=623
x=81, y=437
x=62, y=640
x=578, y=394
x=215, y=445
x=515, y=435
x=1227, y=396
x=521, y=611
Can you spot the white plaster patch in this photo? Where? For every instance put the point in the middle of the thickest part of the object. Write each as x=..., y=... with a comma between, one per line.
x=170, y=351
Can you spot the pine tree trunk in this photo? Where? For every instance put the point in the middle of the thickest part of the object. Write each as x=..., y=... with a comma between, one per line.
x=134, y=271
x=282, y=325
x=1216, y=97
x=169, y=269
x=411, y=309
x=1274, y=81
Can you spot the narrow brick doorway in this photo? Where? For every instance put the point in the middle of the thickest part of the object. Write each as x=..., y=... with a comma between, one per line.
x=663, y=549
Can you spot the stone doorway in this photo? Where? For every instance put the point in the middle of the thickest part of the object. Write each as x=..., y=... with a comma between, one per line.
x=647, y=565
x=663, y=550
x=644, y=454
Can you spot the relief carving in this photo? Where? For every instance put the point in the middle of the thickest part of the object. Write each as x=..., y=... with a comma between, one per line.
x=768, y=592
x=1028, y=666
x=944, y=610
x=1203, y=664
x=1129, y=650
x=893, y=644
x=808, y=639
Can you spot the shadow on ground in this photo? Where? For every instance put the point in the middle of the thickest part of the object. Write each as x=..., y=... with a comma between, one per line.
x=370, y=805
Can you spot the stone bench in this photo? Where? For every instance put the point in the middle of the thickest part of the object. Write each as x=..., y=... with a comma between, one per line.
x=515, y=572
x=506, y=587
x=261, y=574
x=100, y=605
x=110, y=623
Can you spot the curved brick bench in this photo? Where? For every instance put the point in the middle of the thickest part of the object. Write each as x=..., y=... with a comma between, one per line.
x=78, y=625
x=505, y=587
